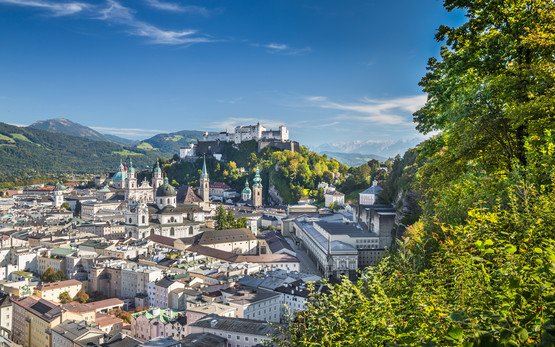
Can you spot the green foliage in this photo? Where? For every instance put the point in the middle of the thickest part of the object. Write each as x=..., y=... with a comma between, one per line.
x=34, y=151
x=168, y=144
x=64, y=297
x=290, y=172
x=65, y=206
x=81, y=297
x=478, y=268
x=487, y=281
x=53, y=276
x=226, y=220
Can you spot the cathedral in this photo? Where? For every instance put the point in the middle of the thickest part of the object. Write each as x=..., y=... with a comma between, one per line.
x=160, y=213
x=125, y=180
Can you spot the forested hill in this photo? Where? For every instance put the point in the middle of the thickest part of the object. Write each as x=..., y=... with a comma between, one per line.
x=31, y=151
x=168, y=144
x=478, y=267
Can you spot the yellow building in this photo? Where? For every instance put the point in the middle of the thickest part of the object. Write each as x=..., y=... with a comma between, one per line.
x=33, y=320
x=51, y=291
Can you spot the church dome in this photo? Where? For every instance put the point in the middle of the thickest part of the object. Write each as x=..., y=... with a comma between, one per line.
x=246, y=190
x=120, y=176
x=165, y=189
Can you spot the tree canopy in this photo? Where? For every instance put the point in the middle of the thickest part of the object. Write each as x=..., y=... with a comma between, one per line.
x=477, y=268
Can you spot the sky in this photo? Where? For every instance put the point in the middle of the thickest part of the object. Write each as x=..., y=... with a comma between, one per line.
x=331, y=71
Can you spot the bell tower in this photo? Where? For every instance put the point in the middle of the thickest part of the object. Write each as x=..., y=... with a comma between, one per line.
x=257, y=189
x=204, y=185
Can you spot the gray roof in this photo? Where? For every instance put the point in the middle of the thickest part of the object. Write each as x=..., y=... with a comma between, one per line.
x=165, y=282
x=240, y=325
x=372, y=190
x=202, y=340
x=345, y=229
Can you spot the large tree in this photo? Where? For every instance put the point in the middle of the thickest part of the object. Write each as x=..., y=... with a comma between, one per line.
x=494, y=83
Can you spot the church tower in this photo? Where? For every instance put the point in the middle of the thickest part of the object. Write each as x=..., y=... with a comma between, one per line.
x=246, y=193
x=257, y=190
x=58, y=195
x=157, y=179
x=131, y=182
x=204, y=185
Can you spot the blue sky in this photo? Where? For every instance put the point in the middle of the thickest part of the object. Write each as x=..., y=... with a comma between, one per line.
x=332, y=71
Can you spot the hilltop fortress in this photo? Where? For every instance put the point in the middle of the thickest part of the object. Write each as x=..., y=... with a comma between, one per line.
x=213, y=142
x=249, y=132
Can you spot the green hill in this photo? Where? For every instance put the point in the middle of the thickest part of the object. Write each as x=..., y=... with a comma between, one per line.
x=168, y=144
x=30, y=151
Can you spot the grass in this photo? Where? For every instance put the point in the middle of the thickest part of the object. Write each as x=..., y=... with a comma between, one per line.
x=126, y=153
x=145, y=145
x=21, y=137
x=174, y=138
x=6, y=138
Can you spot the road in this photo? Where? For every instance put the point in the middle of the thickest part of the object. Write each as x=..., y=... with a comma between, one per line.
x=307, y=265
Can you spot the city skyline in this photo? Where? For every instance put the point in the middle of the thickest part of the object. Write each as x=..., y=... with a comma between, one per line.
x=134, y=69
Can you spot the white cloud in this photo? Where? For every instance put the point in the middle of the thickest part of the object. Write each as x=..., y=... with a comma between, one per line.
x=118, y=14
x=277, y=46
x=58, y=9
x=384, y=111
x=281, y=48
x=113, y=12
x=173, y=7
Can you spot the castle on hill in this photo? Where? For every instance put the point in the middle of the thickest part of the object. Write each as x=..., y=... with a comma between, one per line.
x=213, y=143
x=249, y=132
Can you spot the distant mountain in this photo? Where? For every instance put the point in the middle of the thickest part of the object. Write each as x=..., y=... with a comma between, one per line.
x=387, y=149
x=26, y=150
x=62, y=125
x=168, y=144
x=353, y=159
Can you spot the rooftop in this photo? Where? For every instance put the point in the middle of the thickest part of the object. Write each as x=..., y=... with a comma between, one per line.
x=56, y=285
x=240, y=325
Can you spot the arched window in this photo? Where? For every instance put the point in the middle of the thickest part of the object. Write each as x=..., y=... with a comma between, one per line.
x=130, y=220
x=144, y=219
x=167, y=201
x=172, y=231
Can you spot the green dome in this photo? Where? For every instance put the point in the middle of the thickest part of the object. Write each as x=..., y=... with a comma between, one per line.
x=120, y=176
x=165, y=189
x=246, y=190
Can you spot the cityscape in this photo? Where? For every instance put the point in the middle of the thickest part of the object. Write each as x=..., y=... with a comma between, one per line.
x=179, y=173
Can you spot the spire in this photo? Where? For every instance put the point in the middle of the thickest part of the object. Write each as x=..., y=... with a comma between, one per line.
x=247, y=182
x=257, y=180
x=166, y=180
x=131, y=168
x=157, y=168
x=204, y=172
x=120, y=165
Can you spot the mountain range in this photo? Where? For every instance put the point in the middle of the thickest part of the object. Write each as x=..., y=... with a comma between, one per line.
x=378, y=148
x=62, y=125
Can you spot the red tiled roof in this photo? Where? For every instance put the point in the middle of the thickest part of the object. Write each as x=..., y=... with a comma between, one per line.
x=60, y=284
x=104, y=320
x=219, y=185
x=92, y=306
x=164, y=240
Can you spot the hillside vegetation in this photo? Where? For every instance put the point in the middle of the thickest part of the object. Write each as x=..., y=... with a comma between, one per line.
x=478, y=267
x=29, y=151
x=168, y=144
